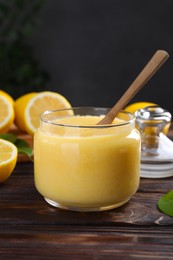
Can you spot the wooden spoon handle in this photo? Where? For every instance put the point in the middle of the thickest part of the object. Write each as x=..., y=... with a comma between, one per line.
x=149, y=70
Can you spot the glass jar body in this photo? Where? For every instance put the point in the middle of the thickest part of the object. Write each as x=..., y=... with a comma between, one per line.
x=86, y=167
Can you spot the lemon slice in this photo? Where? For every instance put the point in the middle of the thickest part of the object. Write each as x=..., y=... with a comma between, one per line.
x=6, y=112
x=8, y=159
x=34, y=105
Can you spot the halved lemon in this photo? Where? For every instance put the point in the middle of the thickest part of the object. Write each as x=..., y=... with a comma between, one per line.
x=6, y=112
x=35, y=105
x=7, y=96
x=132, y=108
x=8, y=159
x=19, y=109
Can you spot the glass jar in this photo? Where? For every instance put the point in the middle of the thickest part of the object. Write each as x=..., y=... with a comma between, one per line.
x=82, y=166
x=157, y=149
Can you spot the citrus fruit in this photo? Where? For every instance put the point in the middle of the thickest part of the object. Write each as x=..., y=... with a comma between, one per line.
x=8, y=159
x=33, y=105
x=6, y=112
x=132, y=108
x=19, y=109
x=7, y=96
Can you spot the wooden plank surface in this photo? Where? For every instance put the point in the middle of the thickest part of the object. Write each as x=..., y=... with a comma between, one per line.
x=52, y=243
x=31, y=229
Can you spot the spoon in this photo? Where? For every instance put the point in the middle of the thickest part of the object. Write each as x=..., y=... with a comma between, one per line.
x=144, y=76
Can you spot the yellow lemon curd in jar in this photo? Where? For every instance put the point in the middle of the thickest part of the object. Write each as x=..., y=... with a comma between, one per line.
x=87, y=167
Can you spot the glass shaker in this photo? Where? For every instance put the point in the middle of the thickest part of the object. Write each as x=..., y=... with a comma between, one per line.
x=156, y=148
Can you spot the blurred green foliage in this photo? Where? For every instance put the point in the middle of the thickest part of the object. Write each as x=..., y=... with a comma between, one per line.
x=20, y=72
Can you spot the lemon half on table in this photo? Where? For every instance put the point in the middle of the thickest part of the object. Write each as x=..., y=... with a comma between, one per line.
x=8, y=159
x=29, y=107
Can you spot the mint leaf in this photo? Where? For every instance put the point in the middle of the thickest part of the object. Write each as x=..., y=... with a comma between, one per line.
x=23, y=147
x=165, y=203
x=9, y=137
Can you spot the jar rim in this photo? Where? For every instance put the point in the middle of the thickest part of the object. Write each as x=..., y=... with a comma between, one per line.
x=44, y=117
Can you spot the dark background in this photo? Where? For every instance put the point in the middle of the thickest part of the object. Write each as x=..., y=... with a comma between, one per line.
x=94, y=49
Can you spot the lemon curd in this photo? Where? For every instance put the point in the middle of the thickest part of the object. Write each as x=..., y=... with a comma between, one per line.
x=83, y=166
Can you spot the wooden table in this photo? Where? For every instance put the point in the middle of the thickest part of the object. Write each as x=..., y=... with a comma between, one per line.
x=31, y=229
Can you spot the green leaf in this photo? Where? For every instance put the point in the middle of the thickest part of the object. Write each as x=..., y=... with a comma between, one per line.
x=9, y=137
x=23, y=147
x=165, y=203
